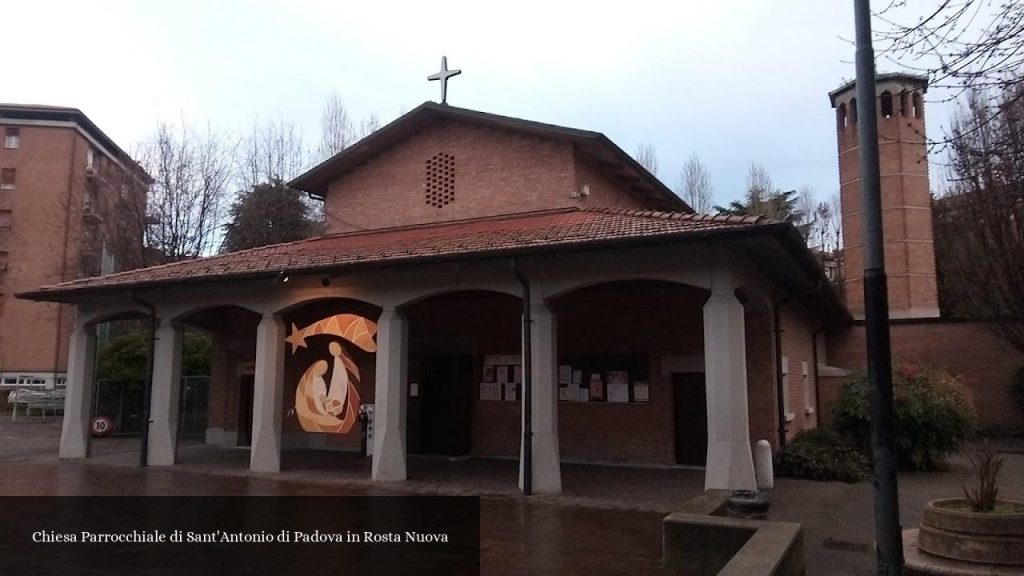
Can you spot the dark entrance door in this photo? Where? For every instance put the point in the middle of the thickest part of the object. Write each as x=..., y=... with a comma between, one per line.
x=691, y=413
x=439, y=415
x=245, y=392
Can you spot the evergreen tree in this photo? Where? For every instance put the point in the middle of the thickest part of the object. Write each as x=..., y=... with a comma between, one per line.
x=268, y=213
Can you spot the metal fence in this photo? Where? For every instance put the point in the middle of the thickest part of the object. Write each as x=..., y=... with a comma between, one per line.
x=122, y=402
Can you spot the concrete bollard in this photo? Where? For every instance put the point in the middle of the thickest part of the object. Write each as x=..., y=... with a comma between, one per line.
x=763, y=465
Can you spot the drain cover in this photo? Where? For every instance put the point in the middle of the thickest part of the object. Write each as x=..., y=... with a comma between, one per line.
x=846, y=545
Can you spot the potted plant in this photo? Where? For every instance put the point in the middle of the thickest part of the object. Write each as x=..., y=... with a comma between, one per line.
x=979, y=528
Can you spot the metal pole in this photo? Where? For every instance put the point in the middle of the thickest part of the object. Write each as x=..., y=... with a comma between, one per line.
x=888, y=535
x=147, y=390
x=527, y=384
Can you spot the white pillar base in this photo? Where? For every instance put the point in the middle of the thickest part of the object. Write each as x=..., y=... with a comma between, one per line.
x=391, y=392
x=546, y=470
x=265, y=455
x=163, y=428
x=730, y=463
x=74, y=436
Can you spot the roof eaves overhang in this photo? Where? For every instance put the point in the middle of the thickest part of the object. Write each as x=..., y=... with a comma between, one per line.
x=813, y=288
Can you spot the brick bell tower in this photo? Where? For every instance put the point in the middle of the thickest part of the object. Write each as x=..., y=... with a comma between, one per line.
x=906, y=199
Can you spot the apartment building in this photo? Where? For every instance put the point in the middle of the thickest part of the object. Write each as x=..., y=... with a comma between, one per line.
x=72, y=205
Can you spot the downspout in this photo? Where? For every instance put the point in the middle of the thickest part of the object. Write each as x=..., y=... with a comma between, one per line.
x=527, y=384
x=779, y=378
x=147, y=390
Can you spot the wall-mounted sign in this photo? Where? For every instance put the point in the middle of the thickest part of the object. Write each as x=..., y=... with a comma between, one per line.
x=332, y=408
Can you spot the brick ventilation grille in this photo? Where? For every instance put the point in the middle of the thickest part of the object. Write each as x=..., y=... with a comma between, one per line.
x=440, y=184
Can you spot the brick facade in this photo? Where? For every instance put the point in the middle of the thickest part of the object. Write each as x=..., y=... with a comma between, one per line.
x=65, y=208
x=495, y=172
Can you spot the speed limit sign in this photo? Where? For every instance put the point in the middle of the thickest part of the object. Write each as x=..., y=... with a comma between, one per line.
x=101, y=426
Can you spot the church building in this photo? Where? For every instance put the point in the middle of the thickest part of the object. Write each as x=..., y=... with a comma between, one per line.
x=500, y=288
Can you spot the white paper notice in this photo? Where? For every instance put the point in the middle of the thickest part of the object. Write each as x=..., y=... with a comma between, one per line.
x=641, y=391
x=618, y=393
x=490, y=391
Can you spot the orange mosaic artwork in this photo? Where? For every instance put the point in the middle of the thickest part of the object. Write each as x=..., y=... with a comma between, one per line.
x=332, y=409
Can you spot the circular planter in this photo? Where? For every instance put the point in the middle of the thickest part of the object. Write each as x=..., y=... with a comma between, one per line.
x=951, y=532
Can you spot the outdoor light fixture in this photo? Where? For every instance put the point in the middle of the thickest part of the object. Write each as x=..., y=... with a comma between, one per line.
x=282, y=276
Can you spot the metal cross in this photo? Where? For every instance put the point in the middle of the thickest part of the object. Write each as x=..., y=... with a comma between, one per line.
x=443, y=76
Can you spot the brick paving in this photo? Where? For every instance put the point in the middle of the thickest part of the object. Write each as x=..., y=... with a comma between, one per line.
x=608, y=521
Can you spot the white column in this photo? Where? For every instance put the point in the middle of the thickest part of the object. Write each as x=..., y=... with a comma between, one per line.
x=390, y=396
x=730, y=464
x=163, y=428
x=546, y=472
x=267, y=395
x=74, y=436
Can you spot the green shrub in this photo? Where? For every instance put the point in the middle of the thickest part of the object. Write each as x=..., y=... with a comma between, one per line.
x=821, y=454
x=1017, y=388
x=932, y=414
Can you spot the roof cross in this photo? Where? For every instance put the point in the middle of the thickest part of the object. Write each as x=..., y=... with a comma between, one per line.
x=443, y=75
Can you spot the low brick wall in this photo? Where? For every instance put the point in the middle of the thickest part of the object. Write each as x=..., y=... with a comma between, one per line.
x=698, y=540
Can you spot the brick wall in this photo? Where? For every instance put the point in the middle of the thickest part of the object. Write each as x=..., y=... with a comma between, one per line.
x=495, y=172
x=797, y=347
x=972, y=350
x=761, y=388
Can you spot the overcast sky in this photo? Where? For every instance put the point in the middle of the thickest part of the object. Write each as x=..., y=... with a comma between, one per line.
x=735, y=82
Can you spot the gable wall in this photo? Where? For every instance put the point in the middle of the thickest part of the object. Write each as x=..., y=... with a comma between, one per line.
x=496, y=172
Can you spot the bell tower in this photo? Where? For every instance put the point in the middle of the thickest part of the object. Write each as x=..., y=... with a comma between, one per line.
x=906, y=198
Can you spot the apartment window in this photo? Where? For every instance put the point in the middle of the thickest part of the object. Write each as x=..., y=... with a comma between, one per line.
x=7, y=176
x=785, y=390
x=90, y=159
x=808, y=389
x=12, y=137
x=5, y=219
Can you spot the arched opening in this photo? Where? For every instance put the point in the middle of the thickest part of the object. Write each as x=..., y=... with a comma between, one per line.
x=853, y=111
x=329, y=382
x=631, y=365
x=918, y=105
x=885, y=104
x=465, y=380
x=118, y=386
x=904, y=103
x=841, y=118
x=216, y=394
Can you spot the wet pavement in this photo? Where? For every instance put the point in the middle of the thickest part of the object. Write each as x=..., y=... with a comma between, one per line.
x=608, y=521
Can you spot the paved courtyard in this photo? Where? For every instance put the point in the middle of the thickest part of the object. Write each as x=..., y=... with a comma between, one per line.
x=608, y=521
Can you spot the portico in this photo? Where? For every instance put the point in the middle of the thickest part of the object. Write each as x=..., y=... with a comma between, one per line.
x=647, y=331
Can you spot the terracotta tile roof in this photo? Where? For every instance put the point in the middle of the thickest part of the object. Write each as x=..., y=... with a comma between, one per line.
x=484, y=237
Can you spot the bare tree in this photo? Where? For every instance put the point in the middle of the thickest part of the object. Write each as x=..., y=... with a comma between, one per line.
x=368, y=125
x=759, y=187
x=979, y=224
x=272, y=152
x=961, y=45
x=191, y=172
x=336, y=130
x=647, y=157
x=695, y=185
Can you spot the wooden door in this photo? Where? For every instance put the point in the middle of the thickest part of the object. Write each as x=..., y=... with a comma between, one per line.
x=691, y=417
